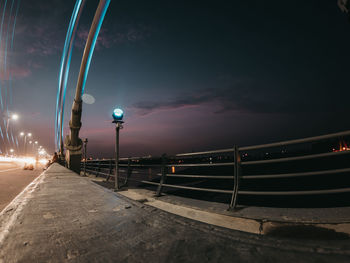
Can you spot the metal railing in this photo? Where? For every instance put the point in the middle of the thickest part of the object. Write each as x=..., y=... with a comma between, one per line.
x=232, y=169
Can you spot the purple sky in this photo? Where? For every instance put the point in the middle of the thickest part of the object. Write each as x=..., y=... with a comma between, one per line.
x=190, y=75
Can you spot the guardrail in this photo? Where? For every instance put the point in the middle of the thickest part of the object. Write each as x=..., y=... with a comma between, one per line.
x=233, y=169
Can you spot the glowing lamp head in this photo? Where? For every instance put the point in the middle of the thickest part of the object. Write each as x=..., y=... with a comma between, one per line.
x=22, y=134
x=14, y=117
x=118, y=114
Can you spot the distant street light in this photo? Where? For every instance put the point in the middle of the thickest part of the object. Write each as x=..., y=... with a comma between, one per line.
x=12, y=150
x=11, y=117
x=117, y=115
x=25, y=140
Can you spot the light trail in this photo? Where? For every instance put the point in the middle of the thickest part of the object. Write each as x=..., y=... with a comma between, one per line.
x=64, y=70
x=66, y=73
x=6, y=43
x=104, y=11
x=23, y=160
x=11, y=50
x=2, y=135
x=6, y=100
x=5, y=68
x=1, y=29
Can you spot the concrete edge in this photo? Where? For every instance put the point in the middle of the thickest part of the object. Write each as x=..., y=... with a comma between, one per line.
x=254, y=226
x=11, y=212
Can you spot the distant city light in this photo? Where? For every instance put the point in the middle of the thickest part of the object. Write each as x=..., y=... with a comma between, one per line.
x=29, y=134
x=12, y=150
x=118, y=114
x=14, y=117
x=22, y=134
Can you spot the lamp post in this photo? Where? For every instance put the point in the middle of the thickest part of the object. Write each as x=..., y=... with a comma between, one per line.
x=12, y=117
x=85, y=141
x=31, y=143
x=25, y=140
x=117, y=115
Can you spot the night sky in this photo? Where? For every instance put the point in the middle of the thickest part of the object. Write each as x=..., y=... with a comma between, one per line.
x=190, y=75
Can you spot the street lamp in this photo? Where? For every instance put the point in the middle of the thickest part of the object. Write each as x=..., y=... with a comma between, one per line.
x=12, y=117
x=117, y=115
x=25, y=140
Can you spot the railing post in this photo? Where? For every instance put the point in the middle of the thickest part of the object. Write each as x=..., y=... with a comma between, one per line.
x=237, y=175
x=164, y=171
x=98, y=169
x=128, y=173
x=110, y=170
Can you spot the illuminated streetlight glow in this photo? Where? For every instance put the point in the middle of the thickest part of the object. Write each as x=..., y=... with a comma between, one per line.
x=22, y=134
x=12, y=150
x=36, y=142
x=12, y=117
x=30, y=142
x=29, y=134
x=118, y=114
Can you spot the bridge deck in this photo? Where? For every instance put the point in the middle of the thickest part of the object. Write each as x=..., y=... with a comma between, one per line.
x=62, y=217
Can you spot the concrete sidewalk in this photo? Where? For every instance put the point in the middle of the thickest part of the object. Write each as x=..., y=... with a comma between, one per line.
x=62, y=217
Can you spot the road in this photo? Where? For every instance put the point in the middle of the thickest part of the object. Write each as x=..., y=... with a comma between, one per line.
x=13, y=179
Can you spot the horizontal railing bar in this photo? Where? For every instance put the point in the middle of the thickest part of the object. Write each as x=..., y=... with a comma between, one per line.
x=200, y=164
x=310, y=192
x=147, y=182
x=145, y=165
x=296, y=141
x=263, y=176
x=190, y=188
x=97, y=161
x=97, y=172
x=296, y=158
x=200, y=176
x=198, y=189
x=206, y=152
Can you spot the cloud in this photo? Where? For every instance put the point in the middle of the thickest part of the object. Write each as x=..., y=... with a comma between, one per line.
x=249, y=97
x=18, y=73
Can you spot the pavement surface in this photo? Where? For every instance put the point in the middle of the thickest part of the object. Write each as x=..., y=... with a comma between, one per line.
x=62, y=217
x=13, y=179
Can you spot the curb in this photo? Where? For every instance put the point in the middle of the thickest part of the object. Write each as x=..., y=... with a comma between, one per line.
x=250, y=225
